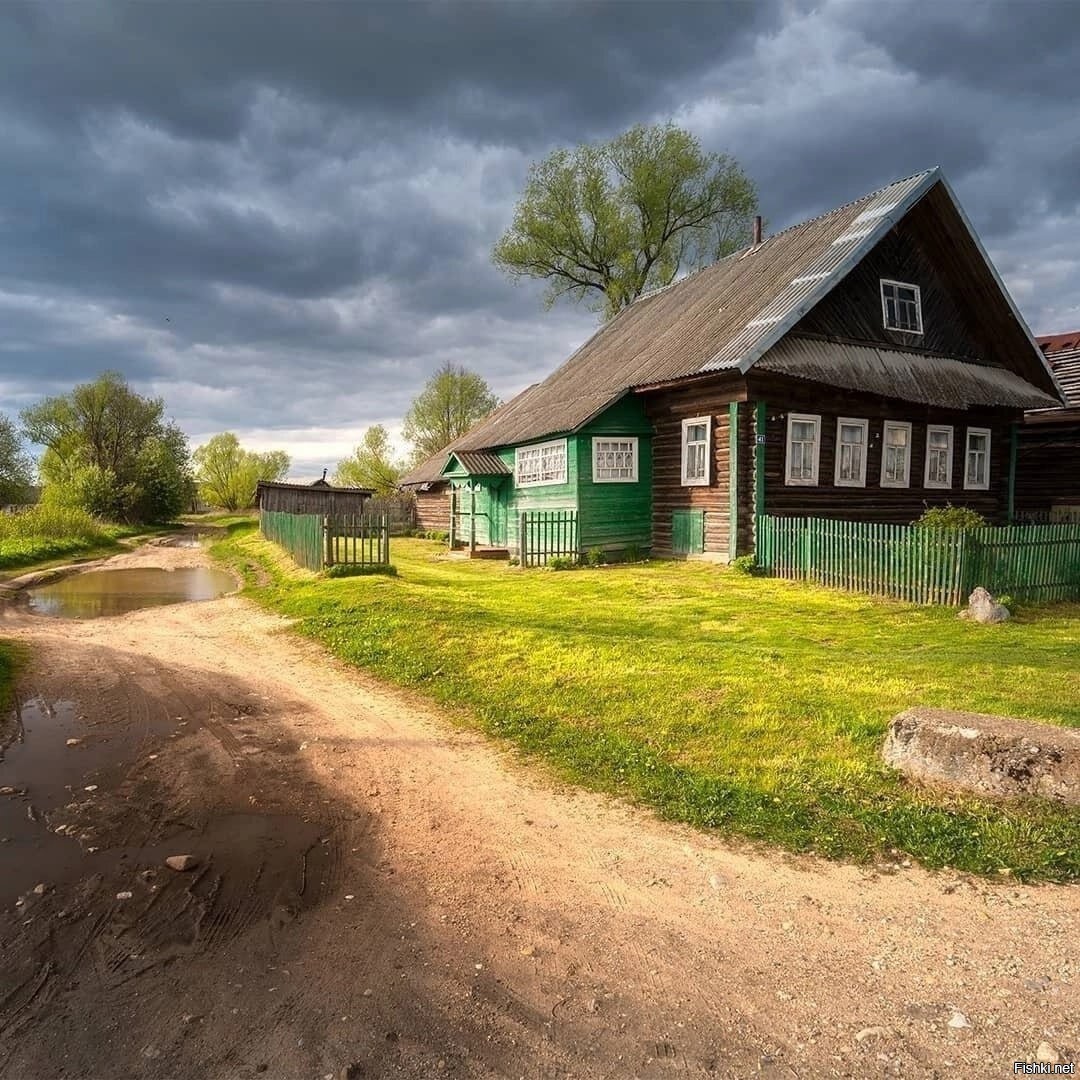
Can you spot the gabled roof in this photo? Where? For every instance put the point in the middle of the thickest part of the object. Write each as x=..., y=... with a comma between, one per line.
x=1062, y=351
x=475, y=463
x=728, y=315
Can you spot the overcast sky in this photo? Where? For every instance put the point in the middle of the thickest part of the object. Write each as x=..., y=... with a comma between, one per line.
x=279, y=216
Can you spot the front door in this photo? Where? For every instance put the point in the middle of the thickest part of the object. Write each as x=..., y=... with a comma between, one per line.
x=498, y=503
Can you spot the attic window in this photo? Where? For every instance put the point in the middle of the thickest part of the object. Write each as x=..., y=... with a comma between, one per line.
x=901, y=307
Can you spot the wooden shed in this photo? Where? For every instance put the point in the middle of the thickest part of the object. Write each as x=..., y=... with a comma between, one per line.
x=317, y=498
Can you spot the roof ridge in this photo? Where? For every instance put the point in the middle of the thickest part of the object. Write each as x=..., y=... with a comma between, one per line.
x=782, y=232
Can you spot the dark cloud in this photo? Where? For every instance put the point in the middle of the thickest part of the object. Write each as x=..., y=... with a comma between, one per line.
x=279, y=215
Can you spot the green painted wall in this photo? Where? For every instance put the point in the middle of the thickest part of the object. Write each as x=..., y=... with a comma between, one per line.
x=542, y=496
x=611, y=516
x=614, y=516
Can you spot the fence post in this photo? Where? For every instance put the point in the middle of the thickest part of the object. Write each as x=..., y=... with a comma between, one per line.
x=328, y=542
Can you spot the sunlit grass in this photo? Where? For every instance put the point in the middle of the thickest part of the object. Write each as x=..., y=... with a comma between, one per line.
x=753, y=705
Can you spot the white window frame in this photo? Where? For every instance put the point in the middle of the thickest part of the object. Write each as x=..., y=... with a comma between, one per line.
x=937, y=484
x=985, y=486
x=906, y=482
x=633, y=448
x=541, y=447
x=807, y=418
x=696, y=481
x=848, y=421
x=885, y=307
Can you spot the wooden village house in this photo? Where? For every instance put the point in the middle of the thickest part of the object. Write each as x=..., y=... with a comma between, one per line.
x=1048, y=466
x=862, y=365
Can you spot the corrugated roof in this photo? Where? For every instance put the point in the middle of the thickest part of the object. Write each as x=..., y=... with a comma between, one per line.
x=479, y=462
x=1062, y=352
x=711, y=320
x=906, y=376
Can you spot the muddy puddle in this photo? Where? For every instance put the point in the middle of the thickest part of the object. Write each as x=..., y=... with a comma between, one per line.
x=113, y=592
x=40, y=774
x=192, y=538
x=61, y=821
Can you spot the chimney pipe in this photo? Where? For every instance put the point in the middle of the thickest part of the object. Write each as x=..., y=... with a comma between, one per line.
x=757, y=229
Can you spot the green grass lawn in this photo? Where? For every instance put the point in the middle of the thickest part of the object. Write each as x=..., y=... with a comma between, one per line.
x=745, y=704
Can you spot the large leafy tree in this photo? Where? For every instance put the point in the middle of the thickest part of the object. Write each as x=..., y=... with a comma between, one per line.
x=227, y=473
x=371, y=464
x=604, y=222
x=16, y=468
x=450, y=403
x=110, y=451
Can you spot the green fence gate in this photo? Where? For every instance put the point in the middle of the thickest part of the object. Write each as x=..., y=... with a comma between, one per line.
x=547, y=534
x=316, y=540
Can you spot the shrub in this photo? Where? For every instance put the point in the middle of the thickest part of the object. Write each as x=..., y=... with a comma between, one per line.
x=746, y=564
x=340, y=570
x=51, y=522
x=595, y=557
x=950, y=517
x=560, y=562
x=514, y=560
x=633, y=553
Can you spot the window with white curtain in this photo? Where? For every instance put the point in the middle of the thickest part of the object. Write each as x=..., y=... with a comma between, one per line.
x=977, y=463
x=896, y=454
x=803, y=448
x=939, y=456
x=851, y=438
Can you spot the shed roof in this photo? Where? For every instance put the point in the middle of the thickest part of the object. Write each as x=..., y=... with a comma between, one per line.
x=728, y=315
x=1062, y=352
x=906, y=376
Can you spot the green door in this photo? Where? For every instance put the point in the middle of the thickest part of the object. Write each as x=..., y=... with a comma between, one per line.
x=687, y=532
x=499, y=514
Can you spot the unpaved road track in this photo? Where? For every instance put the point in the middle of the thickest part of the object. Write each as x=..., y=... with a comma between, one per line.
x=380, y=890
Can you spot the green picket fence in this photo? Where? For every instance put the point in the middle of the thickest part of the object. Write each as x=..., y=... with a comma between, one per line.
x=545, y=534
x=301, y=535
x=317, y=540
x=923, y=566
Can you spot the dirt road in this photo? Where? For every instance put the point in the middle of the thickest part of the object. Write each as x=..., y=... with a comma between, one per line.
x=380, y=894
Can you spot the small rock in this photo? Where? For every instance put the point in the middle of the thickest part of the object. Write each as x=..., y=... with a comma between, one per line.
x=146, y=876
x=870, y=1033
x=90, y=787
x=125, y=895
x=7, y=790
x=368, y=993
x=959, y=1020
x=181, y=862
x=592, y=1005
x=39, y=889
x=356, y=1070
x=1047, y=1055
x=1039, y=985
x=787, y=926
x=73, y=742
x=529, y=950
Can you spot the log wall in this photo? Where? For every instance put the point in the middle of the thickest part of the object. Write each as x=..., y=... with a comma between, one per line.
x=874, y=502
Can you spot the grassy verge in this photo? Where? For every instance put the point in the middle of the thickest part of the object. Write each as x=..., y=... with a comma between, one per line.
x=45, y=536
x=748, y=705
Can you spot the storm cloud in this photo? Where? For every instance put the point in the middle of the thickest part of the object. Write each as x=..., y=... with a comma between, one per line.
x=279, y=216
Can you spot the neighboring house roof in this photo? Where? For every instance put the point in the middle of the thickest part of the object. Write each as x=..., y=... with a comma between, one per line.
x=1062, y=352
x=727, y=316
x=908, y=376
x=477, y=463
